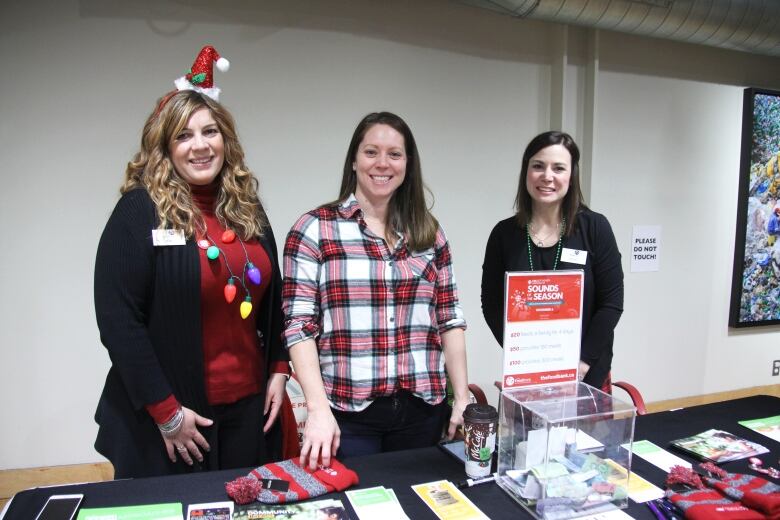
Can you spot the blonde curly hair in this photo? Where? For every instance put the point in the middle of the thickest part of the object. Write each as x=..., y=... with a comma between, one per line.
x=238, y=206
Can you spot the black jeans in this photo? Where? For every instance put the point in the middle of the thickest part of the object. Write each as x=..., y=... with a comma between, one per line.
x=398, y=422
x=240, y=441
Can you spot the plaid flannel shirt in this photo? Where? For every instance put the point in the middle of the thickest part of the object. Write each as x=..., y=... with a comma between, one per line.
x=377, y=314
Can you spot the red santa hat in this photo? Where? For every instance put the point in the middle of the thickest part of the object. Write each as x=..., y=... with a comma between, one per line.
x=201, y=76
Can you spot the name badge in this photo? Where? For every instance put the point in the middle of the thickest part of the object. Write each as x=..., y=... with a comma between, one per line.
x=168, y=237
x=573, y=256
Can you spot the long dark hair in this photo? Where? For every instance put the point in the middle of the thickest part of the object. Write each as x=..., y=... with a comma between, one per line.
x=572, y=201
x=408, y=209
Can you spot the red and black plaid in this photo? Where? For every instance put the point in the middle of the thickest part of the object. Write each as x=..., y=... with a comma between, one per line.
x=377, y=314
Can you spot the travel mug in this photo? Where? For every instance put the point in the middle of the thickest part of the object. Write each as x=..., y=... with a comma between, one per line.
x=480, y=422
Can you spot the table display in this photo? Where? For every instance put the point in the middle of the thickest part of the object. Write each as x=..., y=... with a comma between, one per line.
x=400, y=470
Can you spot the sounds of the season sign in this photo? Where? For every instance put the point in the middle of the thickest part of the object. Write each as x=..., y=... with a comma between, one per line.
x=542, y=327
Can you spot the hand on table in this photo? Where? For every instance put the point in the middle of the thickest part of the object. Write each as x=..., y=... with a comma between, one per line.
x=321, y=438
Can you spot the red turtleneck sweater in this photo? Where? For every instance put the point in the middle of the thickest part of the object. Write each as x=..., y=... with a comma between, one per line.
x=232, y=351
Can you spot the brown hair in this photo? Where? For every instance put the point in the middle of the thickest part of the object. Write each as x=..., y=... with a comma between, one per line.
x=408, y=209
x=572, y=201
x=238, y=206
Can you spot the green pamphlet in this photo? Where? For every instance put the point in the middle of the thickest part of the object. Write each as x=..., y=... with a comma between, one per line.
x=148, y=512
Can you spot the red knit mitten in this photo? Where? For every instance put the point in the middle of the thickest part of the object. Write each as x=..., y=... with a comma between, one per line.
x=708, y=504
x=304, y=483
x=754, y=492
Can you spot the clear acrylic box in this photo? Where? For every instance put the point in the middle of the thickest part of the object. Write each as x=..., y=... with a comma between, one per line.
x=564, y=450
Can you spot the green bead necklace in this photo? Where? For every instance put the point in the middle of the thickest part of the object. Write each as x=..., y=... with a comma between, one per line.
x=557, y=253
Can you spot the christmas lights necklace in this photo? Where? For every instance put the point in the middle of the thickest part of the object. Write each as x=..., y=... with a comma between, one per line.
x=229, y=291
x=557, y=252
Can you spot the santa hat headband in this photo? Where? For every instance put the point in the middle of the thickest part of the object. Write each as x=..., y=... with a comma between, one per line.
x=200, y=77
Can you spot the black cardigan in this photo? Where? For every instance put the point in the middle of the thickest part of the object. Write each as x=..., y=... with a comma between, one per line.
x=507, y=250
x=147, y=303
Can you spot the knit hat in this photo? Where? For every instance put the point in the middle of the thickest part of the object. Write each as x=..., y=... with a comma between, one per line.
x=708, y=504
x=303, y=482
x=201, y=76
x=732, y=496
x=754, y=492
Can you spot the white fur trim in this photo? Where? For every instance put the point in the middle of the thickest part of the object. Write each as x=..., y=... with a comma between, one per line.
x=183, y=84
x=212, y=92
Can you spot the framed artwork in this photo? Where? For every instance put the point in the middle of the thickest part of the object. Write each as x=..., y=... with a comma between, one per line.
x=755, y=283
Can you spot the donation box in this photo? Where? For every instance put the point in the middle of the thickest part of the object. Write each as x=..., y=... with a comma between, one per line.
x=564, y=450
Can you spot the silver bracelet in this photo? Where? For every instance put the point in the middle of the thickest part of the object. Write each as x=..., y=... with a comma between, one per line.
x=172, y=427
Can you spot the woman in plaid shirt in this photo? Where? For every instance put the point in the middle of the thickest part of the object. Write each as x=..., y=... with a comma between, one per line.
x=371, y=306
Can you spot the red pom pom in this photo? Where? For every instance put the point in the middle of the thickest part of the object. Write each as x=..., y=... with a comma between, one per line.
x=685, y=476
x=243, y=490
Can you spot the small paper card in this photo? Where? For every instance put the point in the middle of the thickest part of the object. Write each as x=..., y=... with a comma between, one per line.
x=316, y=510
x=447, y=502
x=167, y=237
x=376, y=502
x=769, y=426
x=170, y=511
x=275, y=484
x=657, y=456
x=639, y=489
x=210, y=511
x=615, y=514
x=574, y=256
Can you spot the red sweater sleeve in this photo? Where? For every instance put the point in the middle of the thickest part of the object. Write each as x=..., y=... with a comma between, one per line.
x=162, y=411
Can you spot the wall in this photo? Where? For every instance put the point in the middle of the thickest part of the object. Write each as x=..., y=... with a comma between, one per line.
x=80, y=77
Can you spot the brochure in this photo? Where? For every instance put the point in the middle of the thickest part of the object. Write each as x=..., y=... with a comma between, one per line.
x=149, y=512
x=656, y=456
x=639, y=489
x=718, y=446
x=318, y=510
x=210, y=511
x=447, y=502
x=769, y=426
x=376, y=502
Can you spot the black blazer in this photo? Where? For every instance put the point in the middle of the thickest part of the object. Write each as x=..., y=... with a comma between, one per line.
x=147, y=303
x=507, y=250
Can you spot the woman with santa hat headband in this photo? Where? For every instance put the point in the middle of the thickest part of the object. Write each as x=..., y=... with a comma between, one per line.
x=187, y=297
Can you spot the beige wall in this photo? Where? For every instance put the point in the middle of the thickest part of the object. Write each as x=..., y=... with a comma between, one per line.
x=80, y=77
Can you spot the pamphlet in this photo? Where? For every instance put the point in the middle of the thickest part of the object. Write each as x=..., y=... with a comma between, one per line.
x=376, y=502
x=639, y=489
x=210, y=511
x=656, y=455
x=769, y=426
x=447, y=502
x=615, y=514
x=149, y=512
x=718, y=446
x=316, y=510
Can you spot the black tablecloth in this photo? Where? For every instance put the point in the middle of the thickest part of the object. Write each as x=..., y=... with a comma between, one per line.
x=399, y=470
